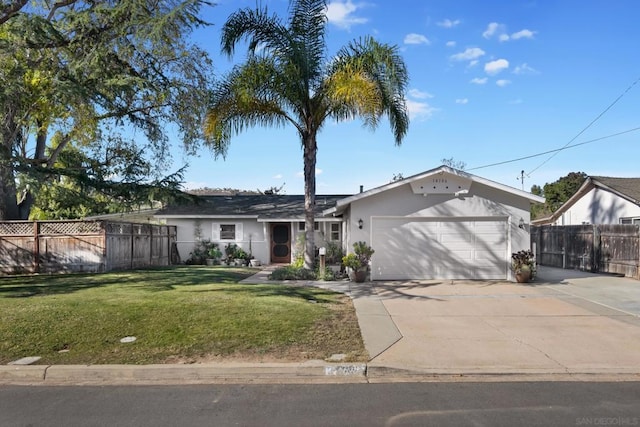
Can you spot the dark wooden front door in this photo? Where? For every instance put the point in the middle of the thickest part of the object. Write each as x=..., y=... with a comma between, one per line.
x=281, y=243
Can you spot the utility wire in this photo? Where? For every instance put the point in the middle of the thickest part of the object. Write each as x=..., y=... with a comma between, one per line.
x=587, y=127
x=556, y=150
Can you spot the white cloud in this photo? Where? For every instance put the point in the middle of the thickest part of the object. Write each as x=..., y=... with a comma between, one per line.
x=414, y=38
x=473, y=63
x=503, y=83
x=503, y=37
x=494, y=67
x=492, y=29
x=341, y=14
x=450, y=43
x=277, y=176
x=448, y=23
x=469, y=54
x=479, y=80
x=462, y=101
x=418, y=94
x=523, y=34
x=516, y=101
x=419, y=110
x=524, y=69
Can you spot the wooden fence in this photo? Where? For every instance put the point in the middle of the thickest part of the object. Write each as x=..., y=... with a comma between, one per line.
x=605, y=248
x=83, y=246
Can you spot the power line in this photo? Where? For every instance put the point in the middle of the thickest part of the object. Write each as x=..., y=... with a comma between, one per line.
x=556, y=150
x=588, y=126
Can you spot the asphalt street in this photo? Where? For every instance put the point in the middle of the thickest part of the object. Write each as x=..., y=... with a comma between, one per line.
x=398, y=404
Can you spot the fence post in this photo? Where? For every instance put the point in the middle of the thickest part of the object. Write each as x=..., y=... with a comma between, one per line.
x=596, y=255
x=36, y=248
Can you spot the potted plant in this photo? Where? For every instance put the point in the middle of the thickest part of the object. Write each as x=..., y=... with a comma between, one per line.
x=358, y=261
x=214, y=256
x=229, y=253
x=524, y=265
x=240, y=257
x=334, y=256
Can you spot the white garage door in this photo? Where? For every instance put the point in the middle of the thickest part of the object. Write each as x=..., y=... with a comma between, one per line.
x=439, y=248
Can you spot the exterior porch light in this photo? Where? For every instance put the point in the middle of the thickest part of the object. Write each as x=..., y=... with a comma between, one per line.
x=360, y=223
x=521, y=223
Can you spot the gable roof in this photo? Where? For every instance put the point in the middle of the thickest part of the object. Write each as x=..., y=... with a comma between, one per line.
x=343, y=203
x=260, y=206
x=627, y=188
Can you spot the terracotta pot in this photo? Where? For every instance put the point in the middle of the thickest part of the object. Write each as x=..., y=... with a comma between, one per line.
x=523, y=276
x=360, y=276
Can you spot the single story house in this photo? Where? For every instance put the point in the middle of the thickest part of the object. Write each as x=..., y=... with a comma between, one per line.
x=440, y=224
x=600, y=200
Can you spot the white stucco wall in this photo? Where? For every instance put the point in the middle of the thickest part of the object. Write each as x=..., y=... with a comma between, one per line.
x=481, y=201
x=254, y=237
x=598, y=206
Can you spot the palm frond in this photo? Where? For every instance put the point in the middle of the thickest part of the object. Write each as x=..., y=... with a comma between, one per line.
x=249, y=96
x=386, y=77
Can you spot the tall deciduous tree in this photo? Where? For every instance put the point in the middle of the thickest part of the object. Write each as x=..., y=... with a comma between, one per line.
x=288, y=79
x=556, y=193
x=82, y=72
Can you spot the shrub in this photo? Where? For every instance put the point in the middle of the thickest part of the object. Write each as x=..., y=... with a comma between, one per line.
x=200, y=252
x=292, y=272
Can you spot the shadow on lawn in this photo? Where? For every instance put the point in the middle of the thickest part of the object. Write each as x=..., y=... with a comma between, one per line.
x=307, y=293
x=160, y=279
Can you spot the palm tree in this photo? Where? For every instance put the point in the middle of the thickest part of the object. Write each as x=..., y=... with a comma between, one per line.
x=288, y=79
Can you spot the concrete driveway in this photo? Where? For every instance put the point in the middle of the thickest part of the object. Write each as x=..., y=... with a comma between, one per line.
x=565, y=322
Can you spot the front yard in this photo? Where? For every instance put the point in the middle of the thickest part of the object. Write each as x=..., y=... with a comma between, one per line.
x=177, y=315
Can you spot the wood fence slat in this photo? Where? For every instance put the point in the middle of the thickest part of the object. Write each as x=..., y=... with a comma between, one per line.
x=81, y=246
x=606, y=248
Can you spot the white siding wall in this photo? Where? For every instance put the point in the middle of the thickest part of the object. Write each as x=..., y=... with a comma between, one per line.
x=598, y=206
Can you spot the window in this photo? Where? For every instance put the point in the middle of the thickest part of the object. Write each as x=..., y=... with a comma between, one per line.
x=630, y=220
x=227, y=232
x=335, y=231
x=301, y=226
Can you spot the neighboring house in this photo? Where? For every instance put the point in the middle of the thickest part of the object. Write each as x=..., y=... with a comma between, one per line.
x=440, y=224
x=600, y=200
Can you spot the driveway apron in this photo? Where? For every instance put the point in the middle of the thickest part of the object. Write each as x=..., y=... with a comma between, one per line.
x=474, y=327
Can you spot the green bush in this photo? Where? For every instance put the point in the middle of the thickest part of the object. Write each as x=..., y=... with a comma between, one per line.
x=292, y=272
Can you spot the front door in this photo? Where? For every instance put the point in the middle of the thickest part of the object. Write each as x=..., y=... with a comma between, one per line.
x=281, y=243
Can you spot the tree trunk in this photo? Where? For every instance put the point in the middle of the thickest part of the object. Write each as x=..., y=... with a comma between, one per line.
x=8, y=196
x=310, y=151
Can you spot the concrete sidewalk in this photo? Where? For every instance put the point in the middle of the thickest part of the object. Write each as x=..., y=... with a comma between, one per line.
x=564, y=326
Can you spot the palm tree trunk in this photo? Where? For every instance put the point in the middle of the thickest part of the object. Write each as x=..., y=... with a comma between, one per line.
x=310, y=151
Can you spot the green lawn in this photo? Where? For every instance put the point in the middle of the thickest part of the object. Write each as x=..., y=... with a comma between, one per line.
x=181, y=314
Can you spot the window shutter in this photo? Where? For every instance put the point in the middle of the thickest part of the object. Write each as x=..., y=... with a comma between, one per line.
x=239, y=232
x=215, y=232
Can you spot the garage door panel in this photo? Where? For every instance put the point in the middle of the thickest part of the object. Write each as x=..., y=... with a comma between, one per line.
x=415, y=248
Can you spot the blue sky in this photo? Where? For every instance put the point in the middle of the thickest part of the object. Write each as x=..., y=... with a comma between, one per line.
x=490, y=81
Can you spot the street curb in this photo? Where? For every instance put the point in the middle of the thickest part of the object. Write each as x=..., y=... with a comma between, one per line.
x=307, y=372
x=313, y=372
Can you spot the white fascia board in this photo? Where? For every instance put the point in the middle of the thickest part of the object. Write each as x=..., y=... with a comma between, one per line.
x=586, y=186
x=207, y=216
x=442, y=169
x=317, y=219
